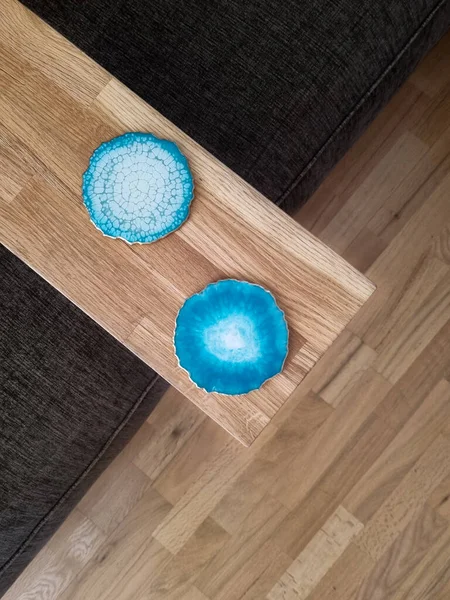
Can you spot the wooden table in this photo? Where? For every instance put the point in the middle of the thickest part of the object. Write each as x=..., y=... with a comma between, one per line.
x=57, y=106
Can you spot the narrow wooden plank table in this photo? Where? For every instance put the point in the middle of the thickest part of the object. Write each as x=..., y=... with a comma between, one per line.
x=57, y=106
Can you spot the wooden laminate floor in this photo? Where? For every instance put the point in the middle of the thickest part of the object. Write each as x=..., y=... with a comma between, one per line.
x=346, y=495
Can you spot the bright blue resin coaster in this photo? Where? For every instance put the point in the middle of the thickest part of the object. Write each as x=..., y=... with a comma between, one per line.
x=138, y=187
x=231, y=337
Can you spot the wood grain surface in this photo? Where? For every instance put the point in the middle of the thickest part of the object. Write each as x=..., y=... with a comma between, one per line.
x=57, y=106
x=345, y=494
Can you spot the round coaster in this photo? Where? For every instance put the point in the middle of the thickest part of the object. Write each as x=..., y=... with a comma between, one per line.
x=138, y=188
x=231, y=337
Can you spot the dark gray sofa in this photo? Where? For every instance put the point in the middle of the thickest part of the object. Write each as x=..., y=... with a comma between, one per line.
x=276, y=90
x=71, y=396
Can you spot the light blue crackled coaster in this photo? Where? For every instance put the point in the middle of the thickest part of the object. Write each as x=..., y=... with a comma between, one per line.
x=231, y=337
x=138, y=188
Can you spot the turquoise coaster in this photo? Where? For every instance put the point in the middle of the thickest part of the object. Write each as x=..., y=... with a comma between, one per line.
x=138, y=188
x=231, y=337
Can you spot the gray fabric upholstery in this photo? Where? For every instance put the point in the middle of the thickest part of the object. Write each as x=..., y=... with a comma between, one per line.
x=277, y=90
x=70, y=398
